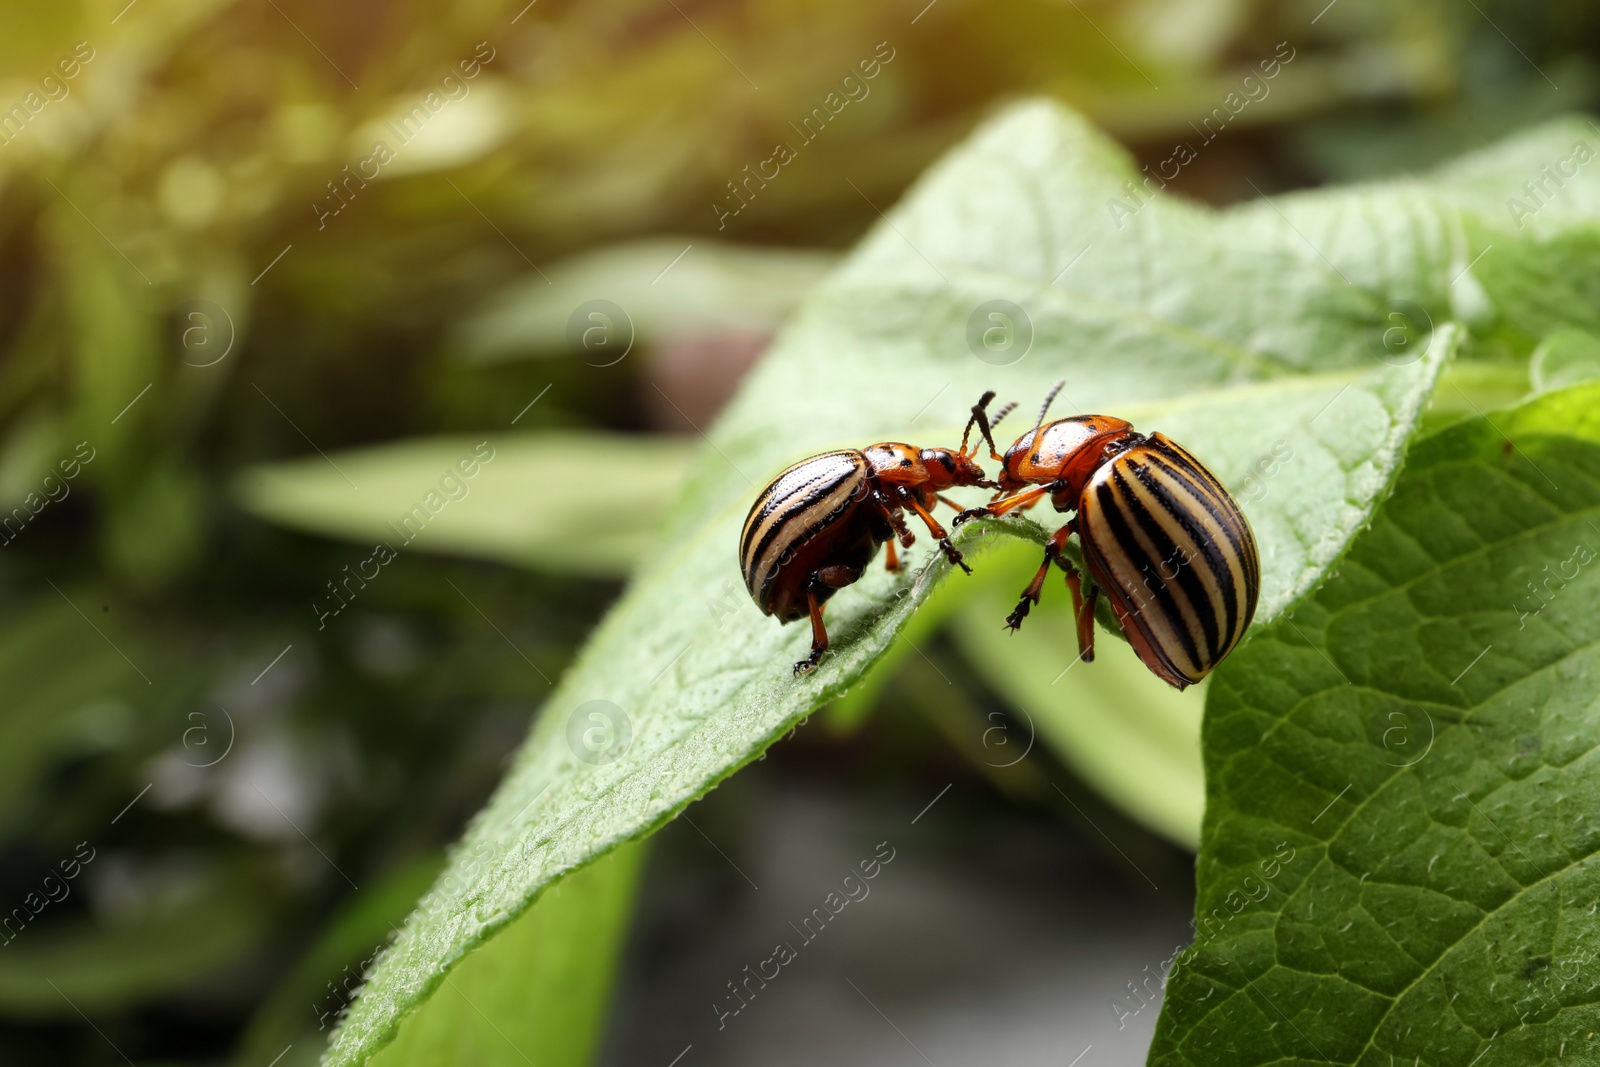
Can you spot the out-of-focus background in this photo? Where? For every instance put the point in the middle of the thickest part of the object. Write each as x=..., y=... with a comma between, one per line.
x=250, y=751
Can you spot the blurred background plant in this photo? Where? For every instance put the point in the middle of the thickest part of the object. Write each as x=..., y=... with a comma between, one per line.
x=198, y=292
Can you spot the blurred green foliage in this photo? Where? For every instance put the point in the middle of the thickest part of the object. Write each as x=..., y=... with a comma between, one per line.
x=169, y=297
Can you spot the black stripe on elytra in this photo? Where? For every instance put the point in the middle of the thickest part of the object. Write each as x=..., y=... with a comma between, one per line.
x=1095, y=560
x=1206, y=487
x=772, y=504
x=769, y=502
x=797, y=501
x=1120, y=519
x=1194, y=589
x=769, y=499
x=1180, y=638
x=1216, y=557
x=1241, y=548
x=1245, y=545
x=1240, y=542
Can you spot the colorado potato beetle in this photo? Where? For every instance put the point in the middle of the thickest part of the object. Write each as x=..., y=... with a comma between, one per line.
x=813, y=530
x=1159, y=534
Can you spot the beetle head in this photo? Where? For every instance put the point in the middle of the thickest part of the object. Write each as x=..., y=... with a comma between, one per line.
x=947, y=467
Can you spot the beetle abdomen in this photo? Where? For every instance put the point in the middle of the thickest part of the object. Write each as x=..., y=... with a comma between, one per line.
x=1174, y=553
x=804, y=502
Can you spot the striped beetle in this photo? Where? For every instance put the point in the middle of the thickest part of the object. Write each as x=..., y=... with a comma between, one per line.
x=1159, y=533
x=813, y=529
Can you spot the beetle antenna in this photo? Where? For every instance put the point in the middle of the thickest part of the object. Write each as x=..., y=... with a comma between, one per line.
x=1005, y=409
x=977, y=413
x=981, y=420
x=1048, y=400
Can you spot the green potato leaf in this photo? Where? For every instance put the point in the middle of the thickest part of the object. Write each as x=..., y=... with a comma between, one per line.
x=308, y=1000
x=542, y=985
x=1398, y=862
x=1025, y=257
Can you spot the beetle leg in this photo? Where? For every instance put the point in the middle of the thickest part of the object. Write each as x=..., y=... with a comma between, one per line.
x=1086, y=622
x=1082, y=610
x=897, y=521
x=938, y=532
x=1030, y=595
x=836, y=577
x=892, y=563
x=947, y=500
x=819, y=632
x=1025, y=499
